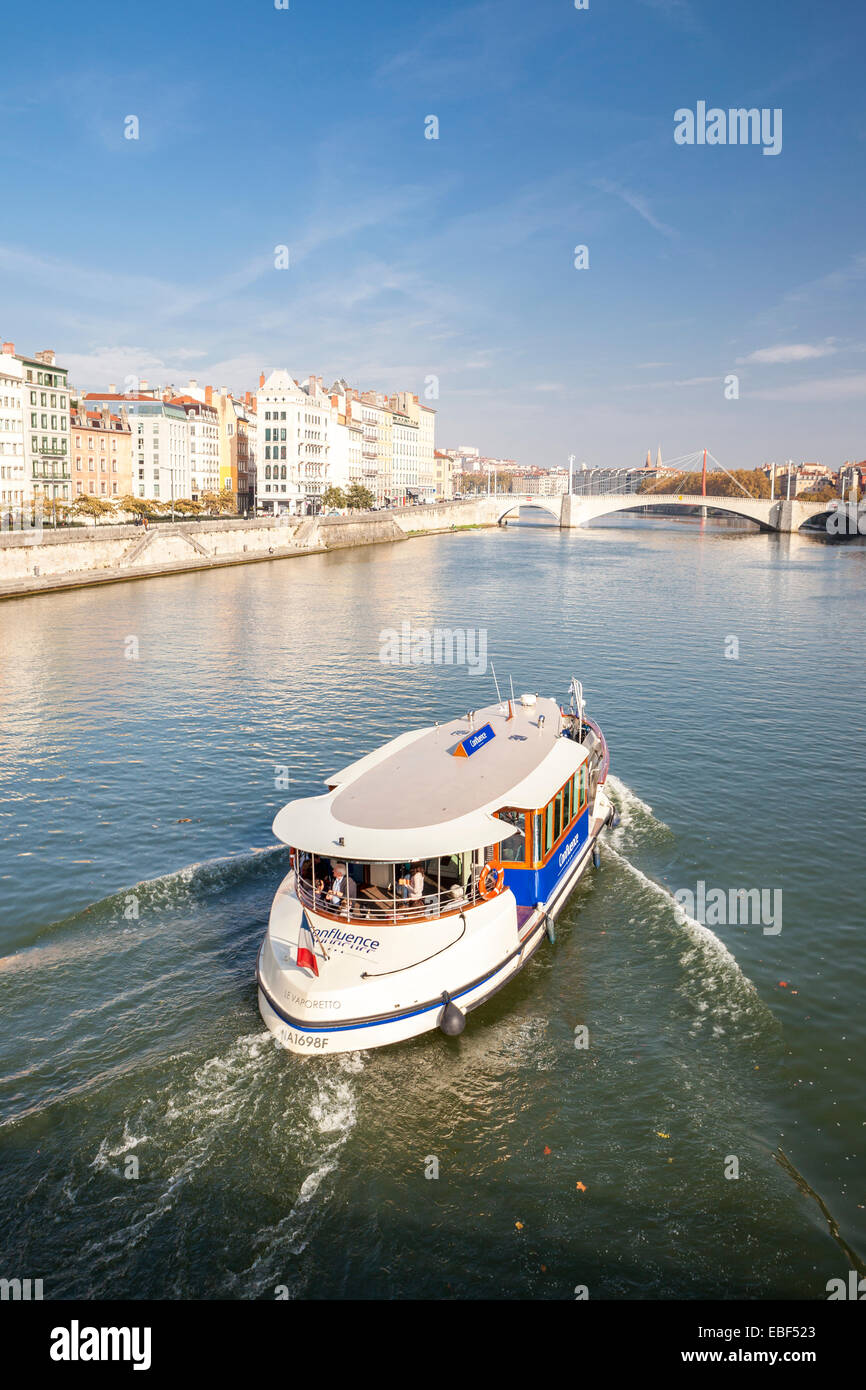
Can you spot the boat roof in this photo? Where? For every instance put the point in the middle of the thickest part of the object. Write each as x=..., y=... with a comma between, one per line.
x=416, y=797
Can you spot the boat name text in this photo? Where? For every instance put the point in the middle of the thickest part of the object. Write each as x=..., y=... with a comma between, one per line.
x=332, y=936
x=313, y=1003
x=569, y=849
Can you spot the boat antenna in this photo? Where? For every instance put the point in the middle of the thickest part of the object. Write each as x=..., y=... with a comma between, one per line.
x=496, y=683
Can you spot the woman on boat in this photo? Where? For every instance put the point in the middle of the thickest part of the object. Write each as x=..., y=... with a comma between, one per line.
x=412, y=887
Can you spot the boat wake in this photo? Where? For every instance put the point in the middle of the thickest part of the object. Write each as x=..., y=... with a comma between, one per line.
x=332, y=1114
x=139, y=911
x=302, y=1128
x=715, y=985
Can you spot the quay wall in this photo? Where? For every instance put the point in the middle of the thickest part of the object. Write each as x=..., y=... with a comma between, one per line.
x=33, y=562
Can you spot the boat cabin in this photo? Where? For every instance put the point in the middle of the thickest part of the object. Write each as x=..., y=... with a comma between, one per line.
x=442, y=819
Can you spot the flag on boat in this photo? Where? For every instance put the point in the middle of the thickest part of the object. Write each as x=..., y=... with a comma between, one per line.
x=307, y=946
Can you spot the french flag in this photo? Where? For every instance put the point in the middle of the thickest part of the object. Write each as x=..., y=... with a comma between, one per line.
x=307, y=947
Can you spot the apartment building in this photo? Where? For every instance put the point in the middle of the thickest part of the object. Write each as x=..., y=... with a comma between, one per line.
x=419, y=448
x=46, y=428
x=280, y=403
x=203, y=443
x=237, y=428
x=13, y=481
x=160, y=441
x=443, y=474
x=101, y=453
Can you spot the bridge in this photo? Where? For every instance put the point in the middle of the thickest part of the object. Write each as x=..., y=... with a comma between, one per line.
x=576, y=510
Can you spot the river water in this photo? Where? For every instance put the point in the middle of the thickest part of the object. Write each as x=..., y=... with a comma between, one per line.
x=154, y=1140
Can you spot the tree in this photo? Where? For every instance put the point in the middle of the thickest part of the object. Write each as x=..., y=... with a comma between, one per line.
x=825, y=492
x=333, y=497
x=219, y=502
x=359, y=498
x=93, y=507
x=186, y=506
x=139, y=506
x=753, y=481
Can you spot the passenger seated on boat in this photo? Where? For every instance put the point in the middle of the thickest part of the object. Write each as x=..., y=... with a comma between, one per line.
x=412, y=887
x=307, y=876
x=343, y=886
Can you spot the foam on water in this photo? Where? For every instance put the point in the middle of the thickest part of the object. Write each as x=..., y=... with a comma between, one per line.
x=717, y=986
x=333, y=1113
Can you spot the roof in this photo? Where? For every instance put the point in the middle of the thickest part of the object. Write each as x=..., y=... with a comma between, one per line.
x=413, y=799
x=117, y=396
x=281, y=383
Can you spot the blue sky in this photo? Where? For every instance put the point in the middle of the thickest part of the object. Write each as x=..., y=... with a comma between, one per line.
x=453, y=257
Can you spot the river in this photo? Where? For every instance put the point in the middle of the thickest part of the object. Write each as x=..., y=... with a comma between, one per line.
x=156, y=1142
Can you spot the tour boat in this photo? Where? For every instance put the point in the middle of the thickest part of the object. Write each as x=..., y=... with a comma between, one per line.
x=429, y=873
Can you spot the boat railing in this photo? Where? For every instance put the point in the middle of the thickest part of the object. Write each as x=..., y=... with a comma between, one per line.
x=375, y=905
x=605, y=752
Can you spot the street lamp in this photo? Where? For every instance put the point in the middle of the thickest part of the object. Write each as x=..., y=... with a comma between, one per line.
x=170, y=467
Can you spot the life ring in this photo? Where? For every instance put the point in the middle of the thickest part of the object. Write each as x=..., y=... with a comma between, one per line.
x=484, y=886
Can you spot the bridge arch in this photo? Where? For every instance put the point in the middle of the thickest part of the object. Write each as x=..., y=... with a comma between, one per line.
x=778, y=514
x=755, y=509
x=551, y=505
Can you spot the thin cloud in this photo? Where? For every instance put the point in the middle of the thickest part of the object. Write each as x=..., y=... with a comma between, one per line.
x=789, y=352
x=638, y=203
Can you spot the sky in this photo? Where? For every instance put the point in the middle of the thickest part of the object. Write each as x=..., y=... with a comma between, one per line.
x=449, y=264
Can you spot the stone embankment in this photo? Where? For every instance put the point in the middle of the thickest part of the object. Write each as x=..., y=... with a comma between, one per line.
x=32, y=563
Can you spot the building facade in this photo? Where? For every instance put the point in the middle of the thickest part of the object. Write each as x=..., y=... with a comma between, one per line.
x=101, y=457
x=203, y=443
x=13, y=482
x=160, y=443
x=280, y=402
x=46, y=429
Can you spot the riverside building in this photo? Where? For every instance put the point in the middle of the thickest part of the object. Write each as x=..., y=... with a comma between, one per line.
x=46, y=428
x=160, y=442
x=13, y=482
x=101, y=457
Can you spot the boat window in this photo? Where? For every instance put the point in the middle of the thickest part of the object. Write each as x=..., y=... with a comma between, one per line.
x=513, y=850
x=548, y=829
x=566, y=803
x=557, y=815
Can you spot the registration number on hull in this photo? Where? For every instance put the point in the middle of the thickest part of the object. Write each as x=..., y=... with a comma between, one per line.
x=304, y=1040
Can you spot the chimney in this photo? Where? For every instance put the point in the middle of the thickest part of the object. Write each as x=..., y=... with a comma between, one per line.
x=112, y=388
x=261, y=381
x=9, y=349
x=142, y=385
x=208, y=395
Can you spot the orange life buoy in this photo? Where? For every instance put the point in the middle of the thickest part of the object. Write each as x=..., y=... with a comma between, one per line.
x=485, y=888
